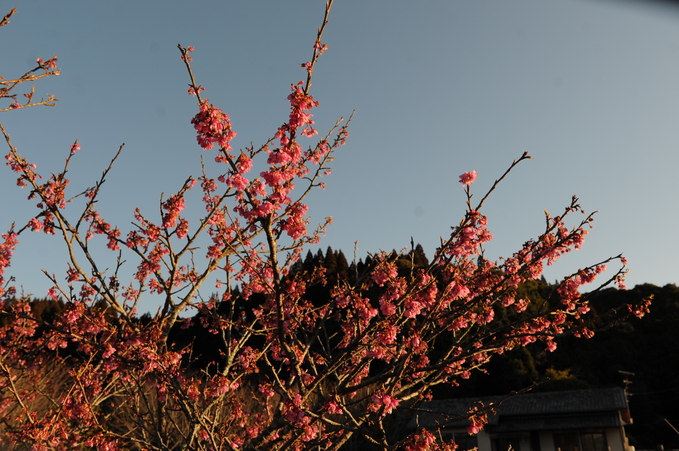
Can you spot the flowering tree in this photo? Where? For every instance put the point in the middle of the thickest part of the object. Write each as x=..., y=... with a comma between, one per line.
x=293, y=372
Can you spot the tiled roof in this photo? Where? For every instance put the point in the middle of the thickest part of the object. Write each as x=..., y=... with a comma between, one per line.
x=532, y=411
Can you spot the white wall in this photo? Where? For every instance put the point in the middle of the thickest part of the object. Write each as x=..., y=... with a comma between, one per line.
x=614, y=438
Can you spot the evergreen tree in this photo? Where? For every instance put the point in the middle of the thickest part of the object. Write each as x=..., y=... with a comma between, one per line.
x=309, y=261
x=330, y=262
x=420, y=259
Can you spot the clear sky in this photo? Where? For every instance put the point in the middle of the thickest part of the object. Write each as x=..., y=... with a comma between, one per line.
x=589, y=88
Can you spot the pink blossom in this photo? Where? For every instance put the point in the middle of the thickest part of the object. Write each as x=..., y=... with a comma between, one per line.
x=388, y=335
x=309, y=434
x=265, y=209
x=73, y=275
x=237, y=181
x=458, y=290
x=387, y=307
x=110, y=350
x=468, y=178
x=36, y=225
x=272, y=177
x=244, y=163
x=279, y=157
x=380, y=399
x=213, y=126
x=203, y=435
x=333, y=408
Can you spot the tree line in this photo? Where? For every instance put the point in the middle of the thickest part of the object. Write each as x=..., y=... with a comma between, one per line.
x=642, y=355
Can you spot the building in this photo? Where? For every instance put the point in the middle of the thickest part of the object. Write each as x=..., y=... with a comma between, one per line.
x=580, y=420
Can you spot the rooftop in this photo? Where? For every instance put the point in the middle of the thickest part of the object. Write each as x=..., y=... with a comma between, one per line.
x=594, y=408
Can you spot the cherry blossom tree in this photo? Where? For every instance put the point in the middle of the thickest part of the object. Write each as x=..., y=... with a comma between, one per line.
x=293, y=372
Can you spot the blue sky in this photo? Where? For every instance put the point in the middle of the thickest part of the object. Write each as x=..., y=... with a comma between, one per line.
x=589, y=88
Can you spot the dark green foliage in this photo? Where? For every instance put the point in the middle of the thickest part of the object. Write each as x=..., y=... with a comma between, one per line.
x=649, y=348
x=47, y=309
x=330, y=261
x=341, y=267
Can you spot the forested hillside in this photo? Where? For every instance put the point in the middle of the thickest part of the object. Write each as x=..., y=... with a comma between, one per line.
x=640, y=354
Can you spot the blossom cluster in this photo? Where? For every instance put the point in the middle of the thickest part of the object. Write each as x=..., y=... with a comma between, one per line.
x=44, y=68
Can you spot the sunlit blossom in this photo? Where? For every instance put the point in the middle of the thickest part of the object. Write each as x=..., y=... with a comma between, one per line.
x=468, y=178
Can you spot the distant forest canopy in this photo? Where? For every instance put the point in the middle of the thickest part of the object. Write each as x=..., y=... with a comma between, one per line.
x=642, y=355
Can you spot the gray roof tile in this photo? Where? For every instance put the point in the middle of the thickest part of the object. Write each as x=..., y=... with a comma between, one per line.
x=532, y=411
